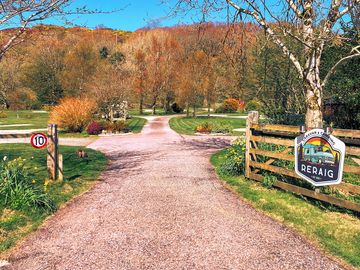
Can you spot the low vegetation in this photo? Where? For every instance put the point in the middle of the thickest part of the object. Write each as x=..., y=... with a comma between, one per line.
x=28, y=197
x=32, y=120
x=337, y=233
x=26, y=119
x=190, y=125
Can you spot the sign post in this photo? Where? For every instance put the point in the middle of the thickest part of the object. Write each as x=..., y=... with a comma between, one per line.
x=52, y=151
x=319, y=157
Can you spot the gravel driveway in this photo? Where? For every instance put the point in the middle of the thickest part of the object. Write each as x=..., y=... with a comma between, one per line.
x=160, y=206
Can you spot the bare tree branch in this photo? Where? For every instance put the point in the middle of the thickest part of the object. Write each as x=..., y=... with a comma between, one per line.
x=272, y=35
x=355, y=53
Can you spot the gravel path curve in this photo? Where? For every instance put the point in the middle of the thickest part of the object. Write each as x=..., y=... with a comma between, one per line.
x=160, y=206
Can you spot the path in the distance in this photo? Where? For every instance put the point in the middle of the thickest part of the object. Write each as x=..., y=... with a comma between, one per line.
x=161, y=206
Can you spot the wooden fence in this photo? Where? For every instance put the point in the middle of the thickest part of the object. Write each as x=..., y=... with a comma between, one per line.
x=283, y=135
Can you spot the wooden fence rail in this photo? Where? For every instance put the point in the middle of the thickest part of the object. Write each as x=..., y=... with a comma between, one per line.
x=283, y=135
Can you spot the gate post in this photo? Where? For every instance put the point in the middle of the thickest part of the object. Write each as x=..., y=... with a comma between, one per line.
x=253, y=118
x=52, y=151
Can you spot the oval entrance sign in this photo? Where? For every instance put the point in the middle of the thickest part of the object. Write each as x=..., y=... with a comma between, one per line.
x=319, y=158
x=39, y=140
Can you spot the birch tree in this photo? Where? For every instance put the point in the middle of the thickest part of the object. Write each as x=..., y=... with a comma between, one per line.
x=312, y=24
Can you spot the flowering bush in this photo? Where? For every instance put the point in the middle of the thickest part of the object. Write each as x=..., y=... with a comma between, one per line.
x=204, y=128
x=94, y=128
x=73, y=114
x=18, y=191
x=234, y=163
x=230, y=105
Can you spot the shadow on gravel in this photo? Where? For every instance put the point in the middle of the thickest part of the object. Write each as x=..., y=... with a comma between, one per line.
x=206, y=144
x=129, y=161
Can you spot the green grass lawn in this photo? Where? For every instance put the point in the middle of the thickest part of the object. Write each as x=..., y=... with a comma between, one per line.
x=187, y=125
x=79, y=176
x=136, y=124
x=35, y=120
x=336, y=233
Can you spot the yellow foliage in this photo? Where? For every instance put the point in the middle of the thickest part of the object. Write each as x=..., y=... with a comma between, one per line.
x=73, y=114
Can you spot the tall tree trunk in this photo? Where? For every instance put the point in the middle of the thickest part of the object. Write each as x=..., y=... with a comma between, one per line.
x=141, y=101
x=194, y=110
x=312, y=81
x=187, y=110
x=314, y=116
x=208, y=104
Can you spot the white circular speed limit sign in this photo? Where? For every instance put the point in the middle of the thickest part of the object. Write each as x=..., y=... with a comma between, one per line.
x=39, y=140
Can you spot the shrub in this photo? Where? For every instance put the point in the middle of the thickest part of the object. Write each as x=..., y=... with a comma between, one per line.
x=117, y=126
x=253, y=105
x=221, y=128
x=176, y=108
x=47, y=108
x=120, y=126
x=3, y=115
x=204, y=128
x=17, y=190
x=234, y=163
x=230, y=105
x=73, y=114
x=94, y=128
x=269, y=180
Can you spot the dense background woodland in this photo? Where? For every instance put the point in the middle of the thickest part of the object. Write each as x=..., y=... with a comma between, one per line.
x=180, y=68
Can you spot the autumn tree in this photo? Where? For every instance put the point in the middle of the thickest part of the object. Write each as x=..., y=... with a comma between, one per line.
x=80, y=63
x=9, y=79
x=109, y=87
x=311, y=24
x=42, y=71
x=20, y=15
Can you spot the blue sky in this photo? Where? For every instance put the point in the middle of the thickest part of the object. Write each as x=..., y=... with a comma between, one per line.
x=134, y=14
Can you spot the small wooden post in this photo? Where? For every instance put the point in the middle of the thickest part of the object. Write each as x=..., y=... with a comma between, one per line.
x=253, y=118
x=52, y=151
x=60, y=170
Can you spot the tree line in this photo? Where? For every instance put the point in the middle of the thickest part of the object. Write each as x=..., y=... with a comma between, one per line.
x=193, y=66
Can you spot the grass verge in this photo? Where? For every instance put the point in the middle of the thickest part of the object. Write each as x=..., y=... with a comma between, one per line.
x=80, y=175
x=336, y=233
x=34, y=120
x=136, y=124
x=187, y=125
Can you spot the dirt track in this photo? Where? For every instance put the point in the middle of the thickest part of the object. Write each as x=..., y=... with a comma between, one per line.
x=160, y=206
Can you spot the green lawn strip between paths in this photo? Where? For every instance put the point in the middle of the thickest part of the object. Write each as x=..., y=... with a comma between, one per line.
x=35, y=120
x=187, y=125
x=336, y=233
x=39, y=120
x=79, y=176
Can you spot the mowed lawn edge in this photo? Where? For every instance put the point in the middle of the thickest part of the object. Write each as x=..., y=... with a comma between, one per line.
x=80, y=175
x=336, y=233
x=186, y=125
x=27, y=119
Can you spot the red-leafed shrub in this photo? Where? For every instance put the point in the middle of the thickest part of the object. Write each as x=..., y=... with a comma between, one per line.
x=94, y=128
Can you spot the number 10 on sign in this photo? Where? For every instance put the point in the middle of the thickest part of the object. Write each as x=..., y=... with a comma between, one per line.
x=39, y=140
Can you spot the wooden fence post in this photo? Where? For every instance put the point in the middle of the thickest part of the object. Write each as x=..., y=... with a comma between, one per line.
x=60, y=170
x=253, y=118
x=52, y=151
